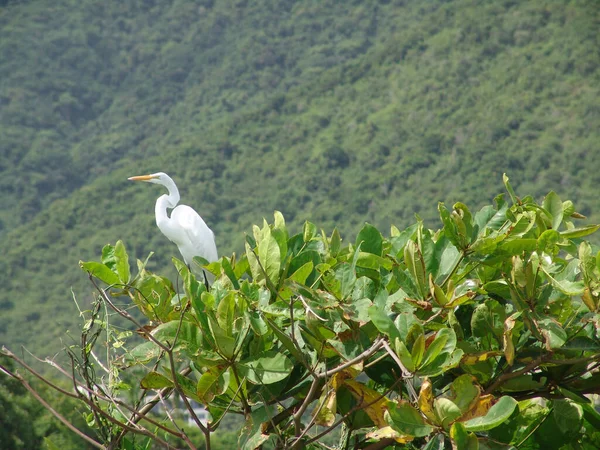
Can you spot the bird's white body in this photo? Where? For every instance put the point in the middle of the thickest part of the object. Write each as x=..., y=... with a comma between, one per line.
x=185, y=228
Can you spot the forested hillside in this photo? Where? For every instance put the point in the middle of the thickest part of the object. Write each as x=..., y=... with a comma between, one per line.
x=334, y=112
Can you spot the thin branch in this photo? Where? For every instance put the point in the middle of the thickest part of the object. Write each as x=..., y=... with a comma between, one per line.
x=297, y=417
x=379, y=342
x=52, y=410
x=405, y=373
x=507, y=376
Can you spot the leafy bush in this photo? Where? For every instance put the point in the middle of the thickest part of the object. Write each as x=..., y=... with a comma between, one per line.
x=483, y=334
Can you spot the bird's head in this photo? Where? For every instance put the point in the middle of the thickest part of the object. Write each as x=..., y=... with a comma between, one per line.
x=156, y=178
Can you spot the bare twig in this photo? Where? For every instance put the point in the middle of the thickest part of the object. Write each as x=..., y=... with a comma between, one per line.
x=405, y=373
x=56, y=414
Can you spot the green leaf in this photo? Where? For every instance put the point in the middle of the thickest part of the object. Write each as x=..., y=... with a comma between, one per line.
x=570, y=288
x=370, y=240
x=100, y=271
x=547, y=241
x=122, y=262
x=554, y=206
x=446, y=411
x=285, y=340
x=579, y=232
x=518, y=246
x=418, y=350
x=553, y=332
x=266, y=368
x=435, y=348
x=509, y=189
x=300, y=275
x=383, y=323
x=255, y=270
x=269, y=255
x=464, y=392
x=207, y=386
x=335, y=242
x=568, y=415
x=371, y=261
x=309, y=231
x=497, y=414
x=462, y=439
x=416, y=267
x=230, y=273
x=154, y=380
x=346, y=277
x=407, y=420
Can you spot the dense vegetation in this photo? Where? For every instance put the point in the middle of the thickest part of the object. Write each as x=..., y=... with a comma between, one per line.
x=335, y=112
x=483, y=334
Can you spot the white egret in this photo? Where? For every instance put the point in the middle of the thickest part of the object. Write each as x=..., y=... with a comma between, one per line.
x=185, y=228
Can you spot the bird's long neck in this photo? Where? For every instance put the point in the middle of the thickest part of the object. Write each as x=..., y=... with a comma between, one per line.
x=164, y=202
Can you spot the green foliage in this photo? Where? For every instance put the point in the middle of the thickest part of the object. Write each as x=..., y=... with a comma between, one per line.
x=366, y=112
x=484, y=333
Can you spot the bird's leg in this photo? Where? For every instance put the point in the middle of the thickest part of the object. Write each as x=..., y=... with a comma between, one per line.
x=206, y=281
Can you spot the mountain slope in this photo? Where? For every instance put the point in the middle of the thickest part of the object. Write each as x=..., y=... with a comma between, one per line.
x=332, y=112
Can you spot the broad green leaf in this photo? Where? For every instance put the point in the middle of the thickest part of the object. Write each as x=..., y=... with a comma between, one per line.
x=383, y=323
x=416, y=267
x=404, y=355
x=255, y=270
x=567, y=287
x=370, y=240
x=497, y=414
x=154, y=380
x=554, y=334
x=554, y=206
x=269, y=255
x=568, y=415
x=207, y=386
x=449, y=227
x=143, y=353
x=435, y=348
x=371, y=261
x=266, y=368
x=465, y=392
x=418, y=349
x=518, y=246
x=446, y=411
x=226, y=313
x=230, y=273
x=100, y=271
x=279, y=223
x=547, y=241
x=300, y=275
x=579, y=232
x=285, y=340
x=346, y=277
x=309, y=231
x=335, y=242
x=122, y=262
x=509, y=189
x=407, y=420
x=462, y=439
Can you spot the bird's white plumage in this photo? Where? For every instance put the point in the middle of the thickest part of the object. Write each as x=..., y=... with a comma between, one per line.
x=196, y=238
x=184, y=227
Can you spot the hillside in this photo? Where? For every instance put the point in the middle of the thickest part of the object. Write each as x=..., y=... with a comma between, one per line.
x=334, y=112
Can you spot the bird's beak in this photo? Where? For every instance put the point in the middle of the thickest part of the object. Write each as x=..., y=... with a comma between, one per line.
x=142, y=178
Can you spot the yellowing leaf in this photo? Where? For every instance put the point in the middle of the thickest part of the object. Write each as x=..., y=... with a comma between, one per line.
x=370, y=401
x=474, y=358
x=325, y=411
x=483, y=405
x=389, y=432
x=509, y=348
x=426, y=400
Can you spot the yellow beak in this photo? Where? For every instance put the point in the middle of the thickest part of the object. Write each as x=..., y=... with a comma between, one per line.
x=141, y=178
